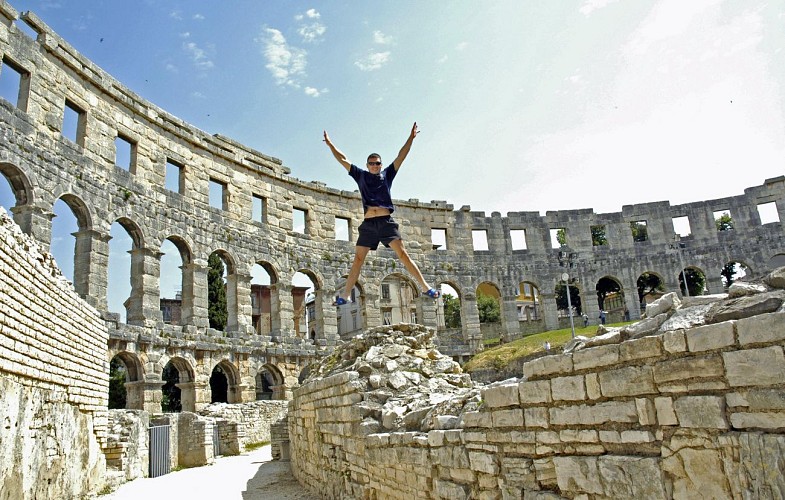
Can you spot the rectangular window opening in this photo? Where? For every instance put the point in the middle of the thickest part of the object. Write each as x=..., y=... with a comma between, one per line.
x=439, y=238
x=299, y=219
x=768, y=212
x=723, y=220
x=14, y=84
x=480, y=239
x=175, y=177
x=74, y=123
x=124, y=153
x=259, y=209
x=599, y=236
x=342, y=232
x=386, y=291
x=218, y=195
x=640, y=231
x=518, y=239
x=681, y=226
x=558, y=237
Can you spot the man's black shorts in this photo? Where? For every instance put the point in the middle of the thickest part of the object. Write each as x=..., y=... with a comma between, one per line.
x=378, y=229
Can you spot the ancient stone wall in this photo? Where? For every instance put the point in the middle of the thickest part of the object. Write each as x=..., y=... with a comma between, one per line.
x=53, y=377
x=42, y=167
x=688, y=412
x=256, y=417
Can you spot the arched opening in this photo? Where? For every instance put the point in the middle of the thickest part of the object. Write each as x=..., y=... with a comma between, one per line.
x=304, y=286
x=448, y=313
x=563, y=305
x=7, y=196
x=219, y=385
x=489, y=309
x=610, y=300
x=695, y=281
x=776, y=261
x=264, y=303
x=16, y=191
x=528, y=302
x=175, y=306
x=269, y=383
x=219, y=294
x=178, y=392
x=650, y=288
x=351, y=317
x=304, y=374
x=65, y=226
x=124, y=291
x=732, y=272
x=397, y=300
x=117, y=381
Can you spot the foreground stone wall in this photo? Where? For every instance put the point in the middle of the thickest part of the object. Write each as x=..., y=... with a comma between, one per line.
x=53, y=377
x=256, y=418
x=691, y=412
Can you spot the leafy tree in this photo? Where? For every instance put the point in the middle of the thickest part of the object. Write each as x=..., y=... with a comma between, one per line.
x=575, y=298
x=216, y=293
x=117, y=380
x=170, y=401
x=488, y=308
x=648, y=284
x=452, y=311
x=598, y=237
x=696, y=281
x=724, y=222
x=561, y=236
x=728, y=273
x=605, y=287
x=639, y=231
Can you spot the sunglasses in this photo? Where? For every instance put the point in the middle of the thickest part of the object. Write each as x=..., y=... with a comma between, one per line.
x=376, y=163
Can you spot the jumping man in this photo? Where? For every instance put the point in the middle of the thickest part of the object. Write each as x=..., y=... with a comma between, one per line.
x=378, y=225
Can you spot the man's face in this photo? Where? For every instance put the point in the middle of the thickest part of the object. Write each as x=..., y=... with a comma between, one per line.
x=374, y=164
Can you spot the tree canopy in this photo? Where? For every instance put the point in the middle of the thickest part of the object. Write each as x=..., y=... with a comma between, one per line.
x=216, y=293
x=575, y=298
x=452, y=311
x=488, y=309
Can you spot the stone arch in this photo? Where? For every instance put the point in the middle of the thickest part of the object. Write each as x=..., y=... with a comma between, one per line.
x=776, y=261
x=305, y=373
x=575, y=299
x=309, y=305
x=270, y=383
x=650, y=286
x=225, y=383
x=734, y=270
x=79, y=208
x=21, y=187
x=696, y=279
x=179, y=390
x=491, y=319
x=177, y=310
x=528, y=302
x=449, y=315
x=397, y=299
x=230, y=282
x=126, y=385
x=610, y=299
x=83, y=258
x=125, y=272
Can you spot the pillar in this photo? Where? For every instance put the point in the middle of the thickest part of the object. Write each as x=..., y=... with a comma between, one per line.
x=36, y=222
x=143, y=307
x=470, y=319
x=91, y=267
x=194, y=305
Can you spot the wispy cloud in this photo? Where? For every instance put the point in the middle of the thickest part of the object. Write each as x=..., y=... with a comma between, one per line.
x=590, y=6
x=176, y=14
x=285, y=63
x=313, y=92
x=382, y=39
x=310, y=29
x=373, y=61
x=198, y=56
x=198, y=17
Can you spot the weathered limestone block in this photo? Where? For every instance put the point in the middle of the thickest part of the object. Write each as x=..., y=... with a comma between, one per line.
x=666, y=415
x=686, y=317
x=647, y=347
x=568, y=388
x=601, y=413
x=680, y=369
x=537, y=391
x=483, y=462
x=744, y=288
x=507, y=418
x=629, y=381
x=666, y=303
x=706, y=412
x=674, y=342
x=536, y=417
x=548, y=365
x=694, y=465
x=477, y=419
x=595, y=357
x=742, y=367
x=500, y=396
x=631, y=477
x=776, y=278
x=760, y=329
x=578, y=475
x=745, y=420
x=711, y=337
x=647, y=326
x=745, y=307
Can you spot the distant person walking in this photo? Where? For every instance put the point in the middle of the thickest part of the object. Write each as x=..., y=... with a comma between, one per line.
x=602, y=317
x=585, y=320
x=378, y=226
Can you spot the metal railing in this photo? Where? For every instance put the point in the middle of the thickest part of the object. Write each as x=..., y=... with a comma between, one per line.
x=160, y=463
x=216, y=441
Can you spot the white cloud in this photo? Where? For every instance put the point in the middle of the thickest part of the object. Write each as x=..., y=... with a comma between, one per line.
x=442, y=59
x=198, y=17
x=176, y=14
x=313, y=92
x=382, y=39
x=373, y=61
x=285, y=63
x=310, y=32
x=198, y=55
x=197, y=95
x=590, y=6
x=461, y=46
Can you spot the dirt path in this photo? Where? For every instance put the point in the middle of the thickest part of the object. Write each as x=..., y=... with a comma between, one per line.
x=252, y=476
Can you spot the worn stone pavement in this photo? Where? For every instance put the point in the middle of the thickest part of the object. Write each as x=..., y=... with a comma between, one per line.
x=251, y=476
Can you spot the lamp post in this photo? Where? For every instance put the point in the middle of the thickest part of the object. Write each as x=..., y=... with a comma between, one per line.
x=678, y=245
x=566, y=278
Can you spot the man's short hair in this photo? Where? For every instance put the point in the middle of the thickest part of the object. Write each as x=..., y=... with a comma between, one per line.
x=374, y=155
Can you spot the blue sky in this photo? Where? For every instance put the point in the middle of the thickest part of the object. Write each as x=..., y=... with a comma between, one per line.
x=522, y=106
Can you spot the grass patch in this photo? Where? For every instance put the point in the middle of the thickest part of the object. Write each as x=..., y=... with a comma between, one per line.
x=256, y=446
x=502, y=355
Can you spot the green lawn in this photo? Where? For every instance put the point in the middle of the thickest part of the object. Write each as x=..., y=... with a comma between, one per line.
x=500, y=356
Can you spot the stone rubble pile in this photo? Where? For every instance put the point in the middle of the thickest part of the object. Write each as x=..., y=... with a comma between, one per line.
x=407, y=384
x=670, y=313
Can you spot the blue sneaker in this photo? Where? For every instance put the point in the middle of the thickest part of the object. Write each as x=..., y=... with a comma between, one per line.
x=433, y=293
x=340, y=301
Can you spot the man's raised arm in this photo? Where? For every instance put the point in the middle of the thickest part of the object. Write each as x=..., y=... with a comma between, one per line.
x=337, y=153
x=406, y=147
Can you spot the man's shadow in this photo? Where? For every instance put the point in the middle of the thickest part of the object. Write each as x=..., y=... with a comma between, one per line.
x=274, y=481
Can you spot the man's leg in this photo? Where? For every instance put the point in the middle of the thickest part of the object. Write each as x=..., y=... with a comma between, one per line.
x=409, y=264
x=354, y=273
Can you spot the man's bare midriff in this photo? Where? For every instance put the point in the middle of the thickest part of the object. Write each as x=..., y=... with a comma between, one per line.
x=376, y=212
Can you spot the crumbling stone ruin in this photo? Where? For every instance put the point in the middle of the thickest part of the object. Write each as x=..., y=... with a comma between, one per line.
x=633, y=401
x=686, y=403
